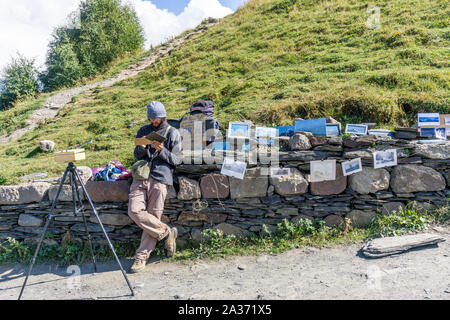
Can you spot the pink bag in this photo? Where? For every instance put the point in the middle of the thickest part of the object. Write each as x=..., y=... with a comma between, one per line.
x=118, y=165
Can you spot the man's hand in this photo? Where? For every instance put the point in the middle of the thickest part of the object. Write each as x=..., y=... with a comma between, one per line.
x=157, y=145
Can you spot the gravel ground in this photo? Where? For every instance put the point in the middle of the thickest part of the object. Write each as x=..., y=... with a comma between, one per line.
x=308, y=273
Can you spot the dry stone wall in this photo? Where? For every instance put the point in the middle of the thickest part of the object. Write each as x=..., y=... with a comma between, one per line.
x=203, y=198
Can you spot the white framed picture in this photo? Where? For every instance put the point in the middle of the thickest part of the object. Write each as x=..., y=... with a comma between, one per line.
x=381, y=132
x=323, y=170
x=428, y=119
x=428, y=132
x=386, y=158
x=237, y=129
x=233, y=168
x=440, y=133
x=265, y=132
x=351, y=167
x=280, y=172
x=356, y=129
x=333, y=129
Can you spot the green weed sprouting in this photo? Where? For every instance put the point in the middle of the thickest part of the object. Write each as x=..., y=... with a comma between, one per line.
x=13, y=250
x=408, y=219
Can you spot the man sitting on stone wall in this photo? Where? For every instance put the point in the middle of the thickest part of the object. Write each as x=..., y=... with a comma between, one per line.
x=147, y=197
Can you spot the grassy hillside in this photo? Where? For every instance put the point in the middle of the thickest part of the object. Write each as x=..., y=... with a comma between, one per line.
x=271, y=61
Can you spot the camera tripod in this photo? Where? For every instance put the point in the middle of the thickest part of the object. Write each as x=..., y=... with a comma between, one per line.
x=75, y=178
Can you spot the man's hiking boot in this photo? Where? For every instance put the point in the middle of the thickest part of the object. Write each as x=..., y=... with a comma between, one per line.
x=171, y=242
x=138, y=265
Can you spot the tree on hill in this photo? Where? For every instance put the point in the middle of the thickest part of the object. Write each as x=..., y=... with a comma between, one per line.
x=99, y=32
x=63, y=68
x=19, y=80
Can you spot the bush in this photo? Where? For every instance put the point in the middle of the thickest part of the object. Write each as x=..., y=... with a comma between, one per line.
x=63, y=68
x=19, y=80
x=99, y=32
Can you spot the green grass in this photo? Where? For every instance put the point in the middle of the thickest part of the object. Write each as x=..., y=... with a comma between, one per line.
x=15, y=118
x=270, y=61
x=216, y=245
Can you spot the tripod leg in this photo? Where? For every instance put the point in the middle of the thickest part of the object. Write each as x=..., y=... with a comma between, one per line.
x=49, y=219
x=75, y=186
x=73, y=193
x=104, y=231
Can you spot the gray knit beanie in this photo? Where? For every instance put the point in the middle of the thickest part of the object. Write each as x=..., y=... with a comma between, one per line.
x=156, y=110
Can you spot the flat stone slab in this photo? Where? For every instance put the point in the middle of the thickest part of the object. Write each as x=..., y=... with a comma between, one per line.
x=382, y=247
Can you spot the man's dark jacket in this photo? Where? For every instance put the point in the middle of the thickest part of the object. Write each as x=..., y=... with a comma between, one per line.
x=165, y=161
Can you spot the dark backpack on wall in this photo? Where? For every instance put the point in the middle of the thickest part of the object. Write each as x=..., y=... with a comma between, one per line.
x=203, y=106
x=202, y=110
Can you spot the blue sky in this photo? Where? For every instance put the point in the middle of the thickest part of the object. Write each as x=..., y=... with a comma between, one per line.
x=27, y=25
x=177, y=6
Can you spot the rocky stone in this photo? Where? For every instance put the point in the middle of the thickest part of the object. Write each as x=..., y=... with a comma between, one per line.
x=189, y=189
x=108, y=191
x=328, y=147
x=171, y=193
x=197, y=236
x=382, y=247
x=361, y=219
x=198, y=169
x=295, y=183
x=363, y=154
x=390, y=207
x=358, y=142
x=415, y=178
x=84, y=172
x=433, y=151
x=317, y=141
x=333, y=221
x=305, y=155
x=330, y=187
x=34, y=176
x=331, y=120
x=254, y=184
x=288, y=211
x=215, y=186
x=65, y=194
x=79, y=227
x=299, y=142
x=408, y=135
x=369, y=180
x=35, y=240
x=21, y=194
x=114, y=219
x=447, y=177
x=47, y=145
x=270, y=191
x=5, y=226
x=26, y=220
x=229, y=229
x=422, y=206
x=335, y=141
x=204, y=216
x=182, y=243
x=405, y=195
x=410, y=160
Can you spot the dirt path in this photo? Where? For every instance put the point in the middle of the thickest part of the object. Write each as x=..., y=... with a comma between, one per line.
x=56, y=102
x=308, y=273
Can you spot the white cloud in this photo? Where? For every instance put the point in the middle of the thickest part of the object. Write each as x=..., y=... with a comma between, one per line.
x=26, y=25
x=159, y=25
